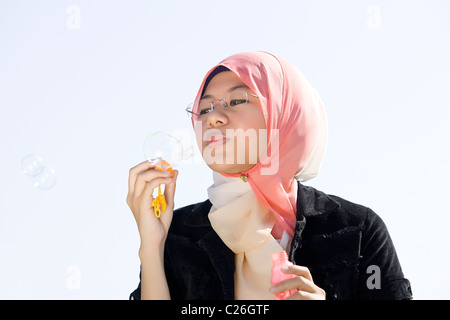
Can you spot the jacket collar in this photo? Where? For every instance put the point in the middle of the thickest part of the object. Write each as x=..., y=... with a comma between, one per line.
x=198, y=217
x=310, y=203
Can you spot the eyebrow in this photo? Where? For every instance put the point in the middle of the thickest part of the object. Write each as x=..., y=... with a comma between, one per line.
x=239, y=86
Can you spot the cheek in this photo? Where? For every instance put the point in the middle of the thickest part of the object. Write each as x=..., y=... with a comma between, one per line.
x=252, y=118
x=251, y=141
x=260, y=124
x=258, y=118
x=257, y=123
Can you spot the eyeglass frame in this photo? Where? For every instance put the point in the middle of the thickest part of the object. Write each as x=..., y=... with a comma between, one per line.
x=224, y=104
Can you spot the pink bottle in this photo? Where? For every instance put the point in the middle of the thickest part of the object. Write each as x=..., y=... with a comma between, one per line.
x=280, y=259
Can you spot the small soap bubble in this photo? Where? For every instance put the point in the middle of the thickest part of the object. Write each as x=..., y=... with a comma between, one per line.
x=32, y=165
x=162, y=146
x=46, y=179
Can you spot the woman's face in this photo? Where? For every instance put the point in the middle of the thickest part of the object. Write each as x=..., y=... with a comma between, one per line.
x=231, y=137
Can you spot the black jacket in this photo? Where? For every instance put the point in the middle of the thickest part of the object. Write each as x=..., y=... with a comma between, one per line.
x=346, y=247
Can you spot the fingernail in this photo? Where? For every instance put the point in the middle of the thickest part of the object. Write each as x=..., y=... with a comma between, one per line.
x=273, y=289
x=284, y=268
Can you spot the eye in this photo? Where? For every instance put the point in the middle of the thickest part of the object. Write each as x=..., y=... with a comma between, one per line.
x=235, y=102
x=204, y=111
x=204, y=107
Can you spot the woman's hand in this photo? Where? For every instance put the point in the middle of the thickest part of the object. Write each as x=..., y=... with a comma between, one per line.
x=143, y=179
x=304, y=283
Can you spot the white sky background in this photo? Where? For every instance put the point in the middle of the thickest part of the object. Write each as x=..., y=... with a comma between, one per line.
x=83, y=83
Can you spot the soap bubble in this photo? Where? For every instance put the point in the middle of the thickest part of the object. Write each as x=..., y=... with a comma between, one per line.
x=162, y=146
x=46, y=179
x=42, y=176
x=188, y=153
x=187, y=140
x=173, y=148
x=32, y=165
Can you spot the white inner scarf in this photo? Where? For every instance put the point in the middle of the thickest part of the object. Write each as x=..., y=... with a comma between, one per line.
x=244, y=225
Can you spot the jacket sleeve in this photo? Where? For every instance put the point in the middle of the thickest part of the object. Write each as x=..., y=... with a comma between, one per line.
x=136, y=294
x=381, y=275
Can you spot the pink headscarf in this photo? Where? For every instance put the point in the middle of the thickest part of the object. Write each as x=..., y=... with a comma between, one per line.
x=296, y=128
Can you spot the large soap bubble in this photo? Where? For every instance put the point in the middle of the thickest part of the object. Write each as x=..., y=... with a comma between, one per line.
x=161, y=146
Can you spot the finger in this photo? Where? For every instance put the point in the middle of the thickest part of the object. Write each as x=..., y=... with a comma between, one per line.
x=302, y=295
x=317, y=294
x=147, y=190
x=299, y=283
x=298, y=271
x=135, y=171
x=145, y=177
x=145, y=200
x=169, y=191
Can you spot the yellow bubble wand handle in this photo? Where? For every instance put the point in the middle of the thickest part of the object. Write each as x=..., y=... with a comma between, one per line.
x=159, y=203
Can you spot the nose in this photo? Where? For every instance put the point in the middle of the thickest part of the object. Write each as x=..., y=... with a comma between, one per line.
x=217, y=117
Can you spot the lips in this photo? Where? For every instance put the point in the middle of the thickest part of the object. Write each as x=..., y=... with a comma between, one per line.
x=216, y=142
x=215, y=139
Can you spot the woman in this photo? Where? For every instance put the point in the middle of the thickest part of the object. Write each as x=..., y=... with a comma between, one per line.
x=262, y=129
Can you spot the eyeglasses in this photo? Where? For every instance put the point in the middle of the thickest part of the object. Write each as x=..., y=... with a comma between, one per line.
x=205, y=106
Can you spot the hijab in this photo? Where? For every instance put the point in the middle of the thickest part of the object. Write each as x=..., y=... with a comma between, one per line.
x=296, y=125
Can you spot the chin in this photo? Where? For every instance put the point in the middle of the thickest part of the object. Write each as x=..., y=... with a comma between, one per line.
x=219, y=155
x=230, y=168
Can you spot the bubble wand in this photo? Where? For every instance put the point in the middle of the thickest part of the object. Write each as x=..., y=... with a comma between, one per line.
x=159, y=203
x=157, y=146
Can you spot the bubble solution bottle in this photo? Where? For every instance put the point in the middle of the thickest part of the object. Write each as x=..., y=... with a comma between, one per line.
x=280, y=259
